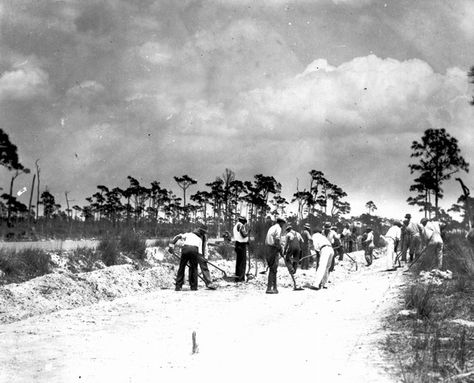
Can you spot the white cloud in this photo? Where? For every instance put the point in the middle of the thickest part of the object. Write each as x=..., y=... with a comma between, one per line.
x=155, y=53
x=23, y=81
x=467, y=17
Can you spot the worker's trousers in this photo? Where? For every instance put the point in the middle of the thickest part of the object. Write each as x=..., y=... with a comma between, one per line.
x=292, y=258
x=325, y=260
x=273, y=256
x=206, y=275
x=412, y=246
x=435, y=251
x=189, y=254
x=240, y=261
x=391, y=254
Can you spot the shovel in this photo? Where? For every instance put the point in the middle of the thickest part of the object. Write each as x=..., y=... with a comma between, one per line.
x=187, y=265
x=225, y=277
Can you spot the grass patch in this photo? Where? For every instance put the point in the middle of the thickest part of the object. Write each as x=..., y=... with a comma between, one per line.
x=109, y=251
x=132, y=245
x=22, y=265
x=84, y=259
x=431, y=347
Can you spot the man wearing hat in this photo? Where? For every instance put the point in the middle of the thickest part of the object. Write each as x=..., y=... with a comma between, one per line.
x=306, y=248
x=274, y=249
x=193, y=249
x=392, y=238
x=411, y=239
x=325, y=254
x=192, y=253
x=293, y=247
x=241, y=238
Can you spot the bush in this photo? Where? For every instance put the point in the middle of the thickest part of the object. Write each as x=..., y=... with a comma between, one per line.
x=131, y=244
x=23, y=265
x=85, y=259
x=420, y=298
x=108, y=248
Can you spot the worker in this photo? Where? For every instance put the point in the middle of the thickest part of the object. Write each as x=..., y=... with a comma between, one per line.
x=368, y=245
x=392, y=238
x=323, y=247
x=331, y=235
x=434, y=241
x=274, y=249
x=347, y=238
x=337, y=245
x=241, y=238
x=412, y=239
x=293, y=247
x=193, y=248
x=306, y=258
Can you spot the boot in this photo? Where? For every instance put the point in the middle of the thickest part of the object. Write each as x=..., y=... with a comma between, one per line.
x=269, y=284
x=275, y=290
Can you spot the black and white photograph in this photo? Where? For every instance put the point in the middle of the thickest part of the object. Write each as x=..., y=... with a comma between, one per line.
x=236, y=191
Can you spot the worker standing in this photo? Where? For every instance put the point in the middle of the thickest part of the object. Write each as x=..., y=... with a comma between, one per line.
x=293, y=248
x=347, y=238
x=392, y=238
x=412, y=239
x=332, y=237
x=306, y=252
x=368, y=245
x=434, y=241
x=274, y=249
x=323, y=247
x=241, y=238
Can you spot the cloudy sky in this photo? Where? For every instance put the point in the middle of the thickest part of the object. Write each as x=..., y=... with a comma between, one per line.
x=101, y=89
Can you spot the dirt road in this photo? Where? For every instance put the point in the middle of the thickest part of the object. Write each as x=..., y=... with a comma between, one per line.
x=243, y=335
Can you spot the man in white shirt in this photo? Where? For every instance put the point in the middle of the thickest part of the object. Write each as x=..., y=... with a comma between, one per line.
x=392, y=238
x=241, y=238
x=323, y=247
x=434, y=241
x=274, y=249
x=193, y=252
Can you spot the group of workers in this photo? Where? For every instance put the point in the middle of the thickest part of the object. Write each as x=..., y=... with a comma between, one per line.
x=414, y=239
x=320, y=247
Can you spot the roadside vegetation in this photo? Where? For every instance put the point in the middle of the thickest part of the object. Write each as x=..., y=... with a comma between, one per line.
x=434, y=340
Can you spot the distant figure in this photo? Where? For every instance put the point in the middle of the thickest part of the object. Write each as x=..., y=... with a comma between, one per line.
x=411, y=239
x=241, y=237
x=333, y=238
x=323, y=247
x=434, y=241
x=306, y=252
x=368, y=245
x=274, y=249
x=347, y=238
x=293, y=247
x=392, y=238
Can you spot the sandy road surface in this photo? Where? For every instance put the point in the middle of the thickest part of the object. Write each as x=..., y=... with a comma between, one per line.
x=319, y=336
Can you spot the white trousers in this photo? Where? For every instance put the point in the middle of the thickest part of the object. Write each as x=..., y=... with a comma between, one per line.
x=391, y=255
x=325, y=259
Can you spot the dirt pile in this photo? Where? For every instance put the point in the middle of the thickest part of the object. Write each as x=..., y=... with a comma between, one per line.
x=65, y=290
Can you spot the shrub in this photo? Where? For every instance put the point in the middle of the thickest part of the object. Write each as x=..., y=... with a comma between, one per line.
x=420, y=298
x=132, y=244
x=108, y=249
x=25, y=264
x=84, y=259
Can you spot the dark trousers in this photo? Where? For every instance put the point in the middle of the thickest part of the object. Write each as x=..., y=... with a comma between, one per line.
x=189, y=254
x=206, y=275
x=292, y=258
x=240, y=261
x=273, y=255
x=306, y=261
